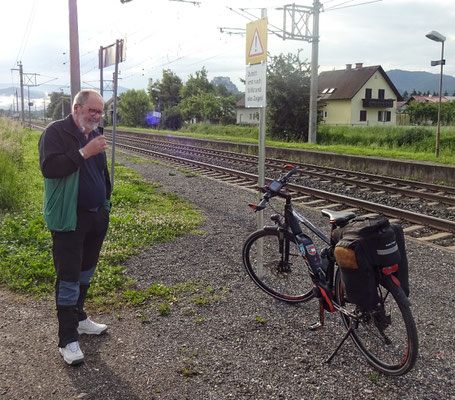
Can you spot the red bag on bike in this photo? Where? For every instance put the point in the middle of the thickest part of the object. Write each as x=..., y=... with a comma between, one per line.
x=364, y=245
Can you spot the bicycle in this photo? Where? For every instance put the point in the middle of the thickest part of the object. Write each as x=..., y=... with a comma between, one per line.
x=272, y=256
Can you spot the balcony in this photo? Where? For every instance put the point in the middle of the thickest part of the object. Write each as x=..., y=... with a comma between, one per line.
x=378, y=103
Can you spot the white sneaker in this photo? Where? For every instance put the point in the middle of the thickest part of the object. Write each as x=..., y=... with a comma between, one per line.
x=72, y=353
x=89, y=327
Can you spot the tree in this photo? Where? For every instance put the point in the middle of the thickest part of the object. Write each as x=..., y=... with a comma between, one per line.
x=133, y=106
x=165, y=93
x=54, y=108
x=288, y=97
x=198, y=98
x=197, y=84
x=172, y=118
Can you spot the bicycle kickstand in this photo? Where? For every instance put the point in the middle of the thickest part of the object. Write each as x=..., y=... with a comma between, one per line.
x=320, y=324
x=339, y=346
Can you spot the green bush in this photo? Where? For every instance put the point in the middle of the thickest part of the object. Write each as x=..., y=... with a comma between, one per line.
x=11, y=163
x=406, y=138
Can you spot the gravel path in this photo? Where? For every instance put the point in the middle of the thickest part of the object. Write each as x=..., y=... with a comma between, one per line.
x=219, y=350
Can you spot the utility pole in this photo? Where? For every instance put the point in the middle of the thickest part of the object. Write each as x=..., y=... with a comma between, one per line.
x=29, y=108
x=101, y=66
x=313, y=120
x=114, y=115
x=17, y=103
x=63, y=108
x=75, y=70
x=22, y=92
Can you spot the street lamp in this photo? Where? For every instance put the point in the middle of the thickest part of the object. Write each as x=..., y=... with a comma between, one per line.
x=437, y=37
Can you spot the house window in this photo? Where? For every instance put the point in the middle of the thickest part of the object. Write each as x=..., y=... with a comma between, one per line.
x=384, y=116
x=325, y=114
x=381, y=93
x=368, y=93
x=363, y=115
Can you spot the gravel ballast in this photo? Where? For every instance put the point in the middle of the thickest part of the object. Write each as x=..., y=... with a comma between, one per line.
x=240, y=344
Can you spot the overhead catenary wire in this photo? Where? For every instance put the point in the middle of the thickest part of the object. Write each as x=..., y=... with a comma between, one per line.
x=26, y=36
x=337, y=7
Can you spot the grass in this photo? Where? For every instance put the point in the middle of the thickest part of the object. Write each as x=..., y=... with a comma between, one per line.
x=140, y=217
x=11, y=164
x=402, y=142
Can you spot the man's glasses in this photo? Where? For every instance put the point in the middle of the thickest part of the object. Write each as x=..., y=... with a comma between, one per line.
x=94, y=111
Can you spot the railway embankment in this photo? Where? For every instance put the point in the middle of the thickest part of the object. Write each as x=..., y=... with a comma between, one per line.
x=408, y=169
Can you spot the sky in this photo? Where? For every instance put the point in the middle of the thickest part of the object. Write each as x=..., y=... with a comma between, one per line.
x=185, y=36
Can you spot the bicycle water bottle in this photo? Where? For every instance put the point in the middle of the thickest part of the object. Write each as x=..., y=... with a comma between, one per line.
x=310, y=253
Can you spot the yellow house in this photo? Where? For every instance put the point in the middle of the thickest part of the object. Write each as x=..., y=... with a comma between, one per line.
x=359, y=96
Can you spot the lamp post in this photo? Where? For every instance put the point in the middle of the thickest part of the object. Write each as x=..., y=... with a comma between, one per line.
x=437, y=37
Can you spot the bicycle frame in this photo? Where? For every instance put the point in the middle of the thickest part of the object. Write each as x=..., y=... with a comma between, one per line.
x=292, y=219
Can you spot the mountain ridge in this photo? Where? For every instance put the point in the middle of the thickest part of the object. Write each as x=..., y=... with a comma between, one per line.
x=421, y=81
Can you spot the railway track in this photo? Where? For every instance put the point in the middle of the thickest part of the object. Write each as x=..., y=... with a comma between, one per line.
x=412, y=189
x=425, y=228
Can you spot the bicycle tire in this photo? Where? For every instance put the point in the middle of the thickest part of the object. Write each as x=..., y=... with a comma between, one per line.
x=291, y=282
x=394, y=351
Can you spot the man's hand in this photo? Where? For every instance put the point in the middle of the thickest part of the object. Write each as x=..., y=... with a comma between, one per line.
x=95, y=146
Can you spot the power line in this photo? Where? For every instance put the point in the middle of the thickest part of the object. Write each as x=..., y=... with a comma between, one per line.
x=353, y=5
x=28, y=29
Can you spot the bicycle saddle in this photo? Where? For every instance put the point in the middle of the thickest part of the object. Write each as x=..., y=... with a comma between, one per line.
x=338, y=216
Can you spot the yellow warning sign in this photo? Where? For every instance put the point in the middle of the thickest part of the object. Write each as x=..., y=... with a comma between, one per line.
x=256, y=41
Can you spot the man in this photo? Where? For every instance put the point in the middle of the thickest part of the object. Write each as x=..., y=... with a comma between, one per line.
x=76, y=211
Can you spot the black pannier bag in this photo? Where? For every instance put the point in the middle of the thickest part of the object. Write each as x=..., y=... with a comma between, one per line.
x=364, y=245
x=402, y=273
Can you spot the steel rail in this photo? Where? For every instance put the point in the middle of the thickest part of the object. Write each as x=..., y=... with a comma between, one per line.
x=399, y=181
x=372, y=185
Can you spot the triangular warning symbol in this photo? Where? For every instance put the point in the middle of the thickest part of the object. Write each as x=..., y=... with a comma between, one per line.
x=256, y=48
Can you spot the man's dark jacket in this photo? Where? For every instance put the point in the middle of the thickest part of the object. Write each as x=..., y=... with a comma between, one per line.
x=60, y=161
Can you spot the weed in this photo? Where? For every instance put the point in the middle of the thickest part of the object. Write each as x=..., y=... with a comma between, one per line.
x=374, y=378
x=164, y=309
x=189, y=362
x=260, y=320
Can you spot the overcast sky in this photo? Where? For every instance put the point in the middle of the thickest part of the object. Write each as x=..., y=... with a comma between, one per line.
x=184, y=37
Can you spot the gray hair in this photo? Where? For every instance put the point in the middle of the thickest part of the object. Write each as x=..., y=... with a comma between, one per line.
x=82, y=96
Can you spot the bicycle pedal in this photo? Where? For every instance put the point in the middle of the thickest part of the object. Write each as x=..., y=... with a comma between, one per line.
x=316, y=326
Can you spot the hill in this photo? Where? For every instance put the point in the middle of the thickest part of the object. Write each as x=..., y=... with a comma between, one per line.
x=421, y=81
x=226, y=82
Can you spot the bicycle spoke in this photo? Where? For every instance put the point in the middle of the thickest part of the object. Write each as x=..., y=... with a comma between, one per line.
x=385, y=336
x=281, y=274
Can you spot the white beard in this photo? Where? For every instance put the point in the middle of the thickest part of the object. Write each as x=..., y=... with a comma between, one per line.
x=86, y=125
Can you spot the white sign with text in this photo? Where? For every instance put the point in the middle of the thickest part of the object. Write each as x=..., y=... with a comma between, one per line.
x=255, y=86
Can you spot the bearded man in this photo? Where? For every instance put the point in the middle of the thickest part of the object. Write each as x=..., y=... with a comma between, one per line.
x=76, y=210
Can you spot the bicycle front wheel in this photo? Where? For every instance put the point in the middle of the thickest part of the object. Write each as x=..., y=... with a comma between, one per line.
x=386, y=336
x=277, y=266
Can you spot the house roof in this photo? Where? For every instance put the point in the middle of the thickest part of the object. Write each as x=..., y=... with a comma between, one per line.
x=427, y=99
x=345, y=83
x=241, y=102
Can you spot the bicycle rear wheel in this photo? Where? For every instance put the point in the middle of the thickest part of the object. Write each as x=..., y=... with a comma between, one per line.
x=283, y=273
x=386, y=336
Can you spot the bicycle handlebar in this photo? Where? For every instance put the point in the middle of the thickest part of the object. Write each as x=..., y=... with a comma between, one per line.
x=273, y=189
